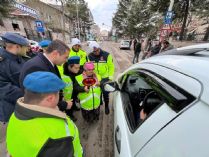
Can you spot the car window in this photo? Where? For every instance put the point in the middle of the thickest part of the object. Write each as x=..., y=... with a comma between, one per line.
x=143, y=94
x=126, y=42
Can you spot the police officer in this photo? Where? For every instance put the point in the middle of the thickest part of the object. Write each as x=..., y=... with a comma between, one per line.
x=104, y=67
x=77, y=51
x=37, y=127
x=11, y=62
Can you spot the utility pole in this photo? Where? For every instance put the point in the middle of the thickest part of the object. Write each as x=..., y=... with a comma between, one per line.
x=78, y=23
x=63, y=20
x=171, y=5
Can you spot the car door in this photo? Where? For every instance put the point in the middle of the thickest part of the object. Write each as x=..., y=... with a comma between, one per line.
x=131, y=136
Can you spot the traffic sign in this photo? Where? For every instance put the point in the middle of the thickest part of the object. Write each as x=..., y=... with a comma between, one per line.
x=39, y=26
x=168, y=17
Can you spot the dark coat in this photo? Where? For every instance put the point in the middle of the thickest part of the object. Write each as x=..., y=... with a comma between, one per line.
x=155, y=50
x=41, y=63
x=76, y=87
x=10, y=67
x=138, y=48
x=38, y=63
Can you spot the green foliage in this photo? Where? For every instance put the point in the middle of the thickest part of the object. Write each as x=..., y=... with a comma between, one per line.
x=71, y=7
x=135, y=17
x=5, y=8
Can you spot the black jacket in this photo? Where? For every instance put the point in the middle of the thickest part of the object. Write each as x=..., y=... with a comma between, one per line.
x=41, y=63
x=76, y=87
x=10, y=66
x=138, y=48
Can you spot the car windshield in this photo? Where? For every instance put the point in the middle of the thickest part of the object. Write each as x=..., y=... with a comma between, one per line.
x=125, y=42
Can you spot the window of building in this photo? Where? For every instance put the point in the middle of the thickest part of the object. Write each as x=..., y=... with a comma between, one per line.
x=15, y=26
x=1, y=23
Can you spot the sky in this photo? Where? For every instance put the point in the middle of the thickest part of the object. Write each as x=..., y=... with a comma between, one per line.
x=102, y=11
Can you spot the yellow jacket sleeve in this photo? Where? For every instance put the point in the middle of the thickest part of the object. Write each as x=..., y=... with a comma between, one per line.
x=111, y=67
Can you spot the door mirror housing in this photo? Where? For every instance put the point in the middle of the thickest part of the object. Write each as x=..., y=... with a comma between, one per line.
x=111, y=87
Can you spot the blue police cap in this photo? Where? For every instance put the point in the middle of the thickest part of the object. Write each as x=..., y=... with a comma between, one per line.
x=15, y=39
x=74, y=60
x=45, y=43
x=43, y=82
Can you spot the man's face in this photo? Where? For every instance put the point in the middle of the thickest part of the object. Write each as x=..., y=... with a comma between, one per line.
x=74, y=69
x=96, y=51
x=60, y=59
x=76, y=47
x=22, y=51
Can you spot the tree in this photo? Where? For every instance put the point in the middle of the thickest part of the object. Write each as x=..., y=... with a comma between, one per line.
x=120, y=18
x=72, y=6
x=5, y=7
x=201, y=9
x=134, y=18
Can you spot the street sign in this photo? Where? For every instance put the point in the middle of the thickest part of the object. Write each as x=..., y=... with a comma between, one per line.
x=39, y=26
x=27, y=9
x=168, y=17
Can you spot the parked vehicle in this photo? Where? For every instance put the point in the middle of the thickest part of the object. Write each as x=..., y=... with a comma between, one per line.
x=34, y=46
x=176, y=84
x=125, y=44
x=89, y=41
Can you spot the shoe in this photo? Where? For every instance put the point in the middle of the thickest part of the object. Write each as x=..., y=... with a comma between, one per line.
x=107, y=110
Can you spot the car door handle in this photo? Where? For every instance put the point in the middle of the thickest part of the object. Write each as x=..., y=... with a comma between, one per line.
x=118, y=139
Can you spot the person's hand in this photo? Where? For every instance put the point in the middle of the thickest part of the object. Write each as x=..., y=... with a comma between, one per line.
x=97, y=84
x=86, y=88
x=69, y=104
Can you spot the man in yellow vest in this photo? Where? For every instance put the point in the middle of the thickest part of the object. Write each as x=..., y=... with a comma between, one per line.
x=76, y=51
x=37, y=128
x=104, y=67
x=90, y=97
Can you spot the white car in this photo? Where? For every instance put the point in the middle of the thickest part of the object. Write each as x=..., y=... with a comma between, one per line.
x=125, y=44
x=34, y=45
x=173, y=87
x=89, y=41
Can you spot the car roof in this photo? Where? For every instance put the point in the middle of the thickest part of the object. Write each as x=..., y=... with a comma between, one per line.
x=191, y=60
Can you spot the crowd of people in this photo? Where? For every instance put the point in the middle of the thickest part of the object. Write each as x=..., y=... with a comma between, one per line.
x=149, y=49
x=40, y=92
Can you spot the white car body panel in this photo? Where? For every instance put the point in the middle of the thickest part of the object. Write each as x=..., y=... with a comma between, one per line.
x=180, y=138
x=119, y=121
x=159, y=134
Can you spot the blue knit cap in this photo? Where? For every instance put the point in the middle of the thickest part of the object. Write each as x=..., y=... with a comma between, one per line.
x=74, y=60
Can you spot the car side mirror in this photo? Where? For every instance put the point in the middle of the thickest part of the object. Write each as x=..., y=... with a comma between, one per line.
x=111, y=87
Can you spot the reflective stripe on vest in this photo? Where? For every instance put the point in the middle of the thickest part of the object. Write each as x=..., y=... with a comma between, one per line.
x=33, y=140
x=69, y=87
x=90, y=97
x=90, y=100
